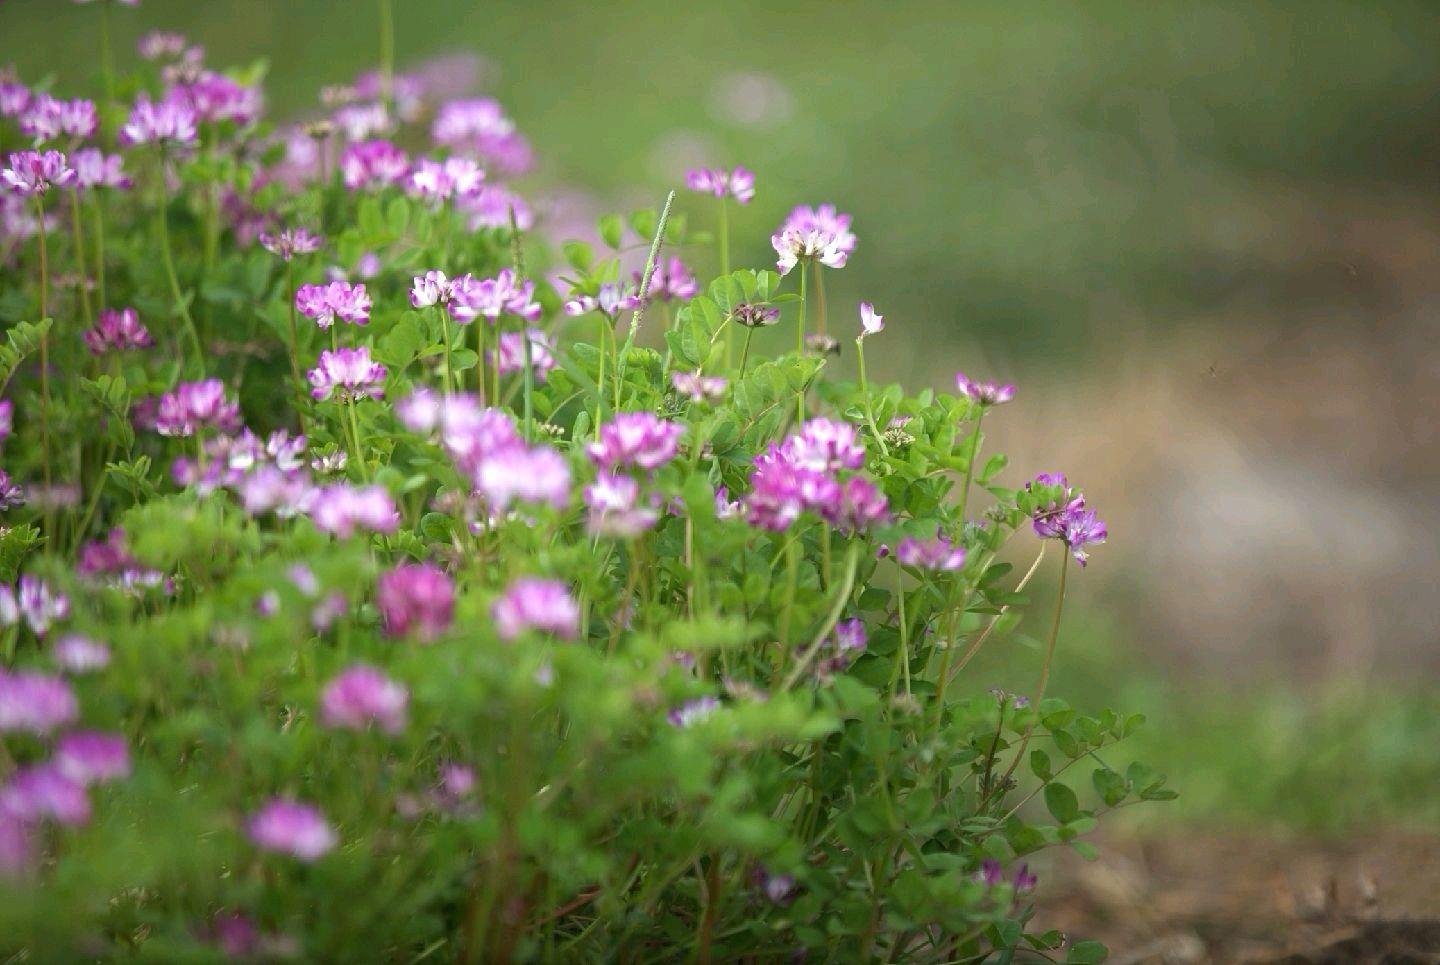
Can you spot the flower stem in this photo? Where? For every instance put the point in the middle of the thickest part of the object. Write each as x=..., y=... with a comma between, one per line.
x=163, y=228
x=107, y=60
x=970, y=466
x=725, y=264
x=295, y=346
x=354, y=426
x=820, y=312
x=449, y=365
x=1044, y=680
x=800, y=342
x=745, y=352
x=865, y=391
x=387, y=51
x=44, y=350
x=99, y=221
x=78, y=232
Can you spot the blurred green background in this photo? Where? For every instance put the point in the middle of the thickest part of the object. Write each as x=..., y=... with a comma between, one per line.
x=1201, y=236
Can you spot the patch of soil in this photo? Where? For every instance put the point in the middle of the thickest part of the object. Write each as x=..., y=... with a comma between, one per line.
x=1211, y=897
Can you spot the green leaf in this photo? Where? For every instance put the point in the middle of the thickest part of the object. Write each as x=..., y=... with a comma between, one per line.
x=1110, y=786
x=612, y=229
x=1087, y=953
x=1062, y=802
x=578, y=254
x=1040, y=764
x=22, y=339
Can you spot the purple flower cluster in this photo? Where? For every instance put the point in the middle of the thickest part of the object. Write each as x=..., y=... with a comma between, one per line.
x=800, y=475
x=616, y=508
x=32, y=602
x=47, y=119
x=693, y=712
x=700, y=388
x=96, y=169
x=348, y=375
x=295, y=241
x=453, y=179
x=415, y=598
x=638, y=440
x=168, y=123
x=737, y=183
x=110, y=563
x=991, y=873
x=670, y=281
x=610, y=300
x=509, y=357
x=843, y=648
x=984, y=393
x=342, y=509
x=490, y=298
x=938, y=554
x=337, y=300
x=194, y=406
x=361, y=696
x=117, y=330
x=536, y=604
x=373, y=164
x=286, y=826
x=813, y=234
x=479, y=126
x=33, y=703
x=33, y=173
x=1059, y=512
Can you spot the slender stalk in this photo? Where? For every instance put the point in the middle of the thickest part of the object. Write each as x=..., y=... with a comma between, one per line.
x=725, y=264
x=107, y=60
x=745, y=352
x=44, y=350
x=387, y=51
x=98, y=219
x=449, y=364
x=600, y=381
x=78, y=232
x=865, y=391
x=517, y=258
x=800, y=342
x=980, y=640
x=820, y=311
x=163, y=228
x=1044, y=679
x=354, y=427
x=295, y=346
x=970, y=466
x=847, y=583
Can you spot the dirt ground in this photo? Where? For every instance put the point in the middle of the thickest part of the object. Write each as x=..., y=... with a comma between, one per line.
x=1246, y=898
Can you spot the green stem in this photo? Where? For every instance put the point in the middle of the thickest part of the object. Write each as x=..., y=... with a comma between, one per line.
x=449, y=365
x=847, y=583
x=865, y=391
x=725, y=266
x=1044, y=679
x=820, y=312
x=387, y=51
x=970, y=467
x=295, y=346
x=44, y=351
x=800, y=343
x=163, y=227
x=745, y=351
x=78, y=231
x=107, y=60
x=354, y=427
x=99, y=221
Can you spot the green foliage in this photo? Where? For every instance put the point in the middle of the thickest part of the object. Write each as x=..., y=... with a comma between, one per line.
x=704, y=769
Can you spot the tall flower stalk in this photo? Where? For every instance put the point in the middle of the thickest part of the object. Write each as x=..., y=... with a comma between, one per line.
x=162, y=227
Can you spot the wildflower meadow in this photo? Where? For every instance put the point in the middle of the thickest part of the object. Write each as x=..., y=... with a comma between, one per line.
x=386, y=576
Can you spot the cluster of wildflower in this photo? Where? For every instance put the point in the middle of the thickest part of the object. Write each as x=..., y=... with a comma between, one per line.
x=194, y=406
x=32, y=602
x=813, y=234
x=117, y=330
x=805, y=473
x=737, y=183
x=337, y=300
x=479, y=127
x=55, y=789
x=109, y=562
x=1059, y=512
x=467, y=298
x=531, y=604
